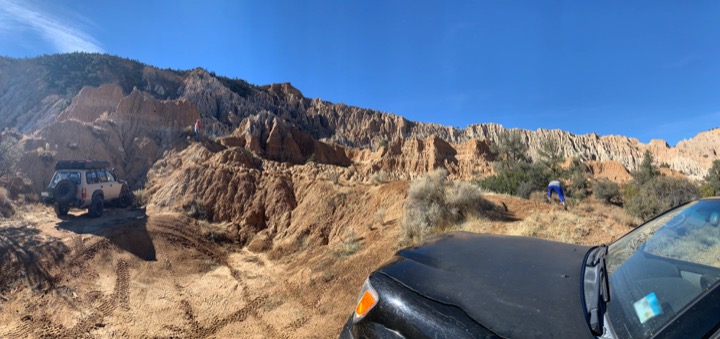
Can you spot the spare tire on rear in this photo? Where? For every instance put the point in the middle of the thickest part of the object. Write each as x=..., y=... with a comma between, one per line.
x=65, y=191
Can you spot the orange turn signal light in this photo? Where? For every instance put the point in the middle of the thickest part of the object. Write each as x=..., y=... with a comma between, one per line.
x=368, y=299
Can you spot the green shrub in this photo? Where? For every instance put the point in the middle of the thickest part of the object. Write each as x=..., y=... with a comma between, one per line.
x=551, y=155
x=510, y=149
x=434, y=204
x=606, y=191
x=577, y=186
x=520, y=179
x=647, y=170
x=657, y=195
x=707, y=190
x=713, y=179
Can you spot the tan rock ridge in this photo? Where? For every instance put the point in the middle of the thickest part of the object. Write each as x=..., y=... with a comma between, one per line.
x=273, y=139
x=308, y=127
x=132, y=136
x=91, y=102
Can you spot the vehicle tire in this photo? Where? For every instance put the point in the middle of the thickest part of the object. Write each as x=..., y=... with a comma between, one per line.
x=126, y=197
x=61, y=210
x=96, y=206
x=65, y=192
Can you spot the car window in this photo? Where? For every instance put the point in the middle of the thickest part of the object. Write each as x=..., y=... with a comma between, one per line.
x=73, y=176
x=690, y=236
x=90, y=177
x=663, y=266
x=102, y=176
x=110, y=177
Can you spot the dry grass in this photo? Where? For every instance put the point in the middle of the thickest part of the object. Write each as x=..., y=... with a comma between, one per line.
x=349, y=245
x=380, y=217
x=553, y=225
x=588, y=223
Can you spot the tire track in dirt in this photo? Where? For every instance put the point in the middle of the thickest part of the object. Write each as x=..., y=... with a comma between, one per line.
x=190, y=316
x=38, y=326
x=83, y=254
x=237, y=316
x=120, y=297
x=177, y=235
x=44, y=327
x=96, y=306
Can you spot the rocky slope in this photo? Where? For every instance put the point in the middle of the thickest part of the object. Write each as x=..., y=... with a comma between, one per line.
x=143, y=111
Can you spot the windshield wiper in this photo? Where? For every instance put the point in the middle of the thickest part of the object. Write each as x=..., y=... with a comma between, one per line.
x=601, y=288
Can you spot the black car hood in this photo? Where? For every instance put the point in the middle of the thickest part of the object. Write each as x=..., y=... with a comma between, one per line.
x=515, y=286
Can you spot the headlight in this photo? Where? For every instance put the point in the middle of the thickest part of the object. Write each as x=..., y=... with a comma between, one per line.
x=366, y=301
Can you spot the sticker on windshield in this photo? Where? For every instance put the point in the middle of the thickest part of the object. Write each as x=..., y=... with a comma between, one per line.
x=647, y=307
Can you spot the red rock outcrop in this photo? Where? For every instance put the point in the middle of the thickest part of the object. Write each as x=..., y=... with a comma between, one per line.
x=272, y=138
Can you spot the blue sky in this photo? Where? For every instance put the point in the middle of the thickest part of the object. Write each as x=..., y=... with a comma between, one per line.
x=641, y=69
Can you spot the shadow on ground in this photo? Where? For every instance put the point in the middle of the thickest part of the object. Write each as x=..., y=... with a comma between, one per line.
x=124, y=228
x=26, y=256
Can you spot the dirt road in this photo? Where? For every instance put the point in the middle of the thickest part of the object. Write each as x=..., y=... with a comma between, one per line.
x=137, y=273
x=132, y=274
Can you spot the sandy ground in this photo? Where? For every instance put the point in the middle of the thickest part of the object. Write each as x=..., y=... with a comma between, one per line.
x=138, y=273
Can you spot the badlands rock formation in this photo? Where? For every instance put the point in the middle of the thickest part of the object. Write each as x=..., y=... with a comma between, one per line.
x=148, y=109
x=131, y=132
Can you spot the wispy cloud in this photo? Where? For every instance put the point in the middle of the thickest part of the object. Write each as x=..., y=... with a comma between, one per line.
x=64, y=36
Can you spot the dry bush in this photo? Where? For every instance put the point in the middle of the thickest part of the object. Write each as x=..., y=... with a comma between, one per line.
x=435, y=205
x=141, y=198
x=380, y=217
x=196, y=209
x=217, y=233
x=657, y=195
x=104, y=116
x=607, y=191
x=349, y=245
x=6, y=208
x=379, y=177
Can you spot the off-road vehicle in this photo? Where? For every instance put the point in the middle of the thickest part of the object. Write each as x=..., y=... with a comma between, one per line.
x=661, y=280
x=85, y=184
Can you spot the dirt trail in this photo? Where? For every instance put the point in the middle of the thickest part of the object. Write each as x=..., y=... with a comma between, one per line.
x=125, y=274
x=132, y=274
x=137, y=273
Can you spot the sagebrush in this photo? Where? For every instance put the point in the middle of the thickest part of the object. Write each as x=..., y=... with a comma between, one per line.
x=435, y=204
x=607, y=191
x=656, y=195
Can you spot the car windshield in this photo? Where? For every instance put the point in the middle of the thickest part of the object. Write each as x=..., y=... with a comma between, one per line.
x=73, y=176
x=660, y=268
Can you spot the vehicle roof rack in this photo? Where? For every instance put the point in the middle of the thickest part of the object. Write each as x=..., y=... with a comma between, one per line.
x=81, y=164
